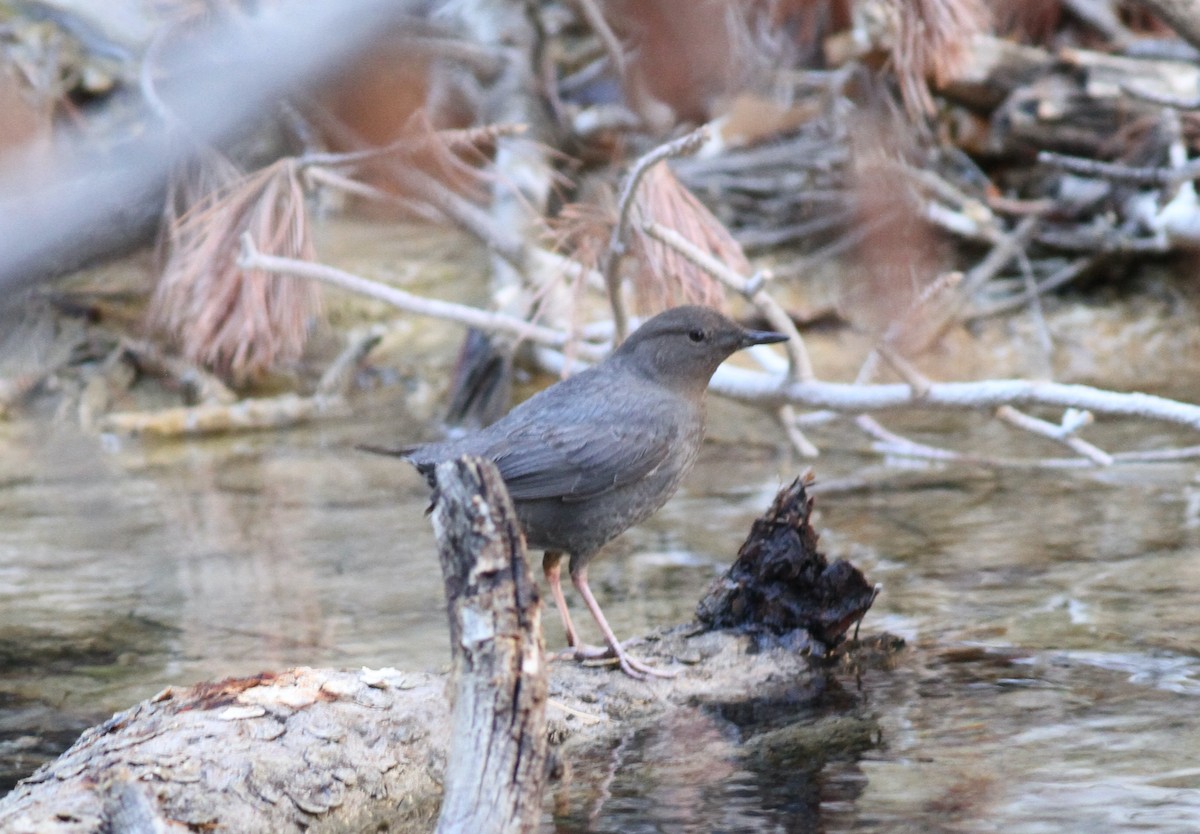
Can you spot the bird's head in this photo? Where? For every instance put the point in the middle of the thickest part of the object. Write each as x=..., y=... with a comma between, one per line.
x=683, y=346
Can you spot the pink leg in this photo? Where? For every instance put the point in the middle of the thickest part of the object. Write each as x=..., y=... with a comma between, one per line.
x=553, y=570
x=629, y=665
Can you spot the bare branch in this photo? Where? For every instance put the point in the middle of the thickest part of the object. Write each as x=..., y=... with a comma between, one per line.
x=787, y=418
x=772, y=389
x=493, y=322
x=595, y=19
x=339, y=376
x=1035, y=308
x=1007, y=248
x=682, y=146
x=1159, y=97
x=1061, y=434
x=1154, y=175
x=469, y=137
x=915, y=379
x=1068, y=273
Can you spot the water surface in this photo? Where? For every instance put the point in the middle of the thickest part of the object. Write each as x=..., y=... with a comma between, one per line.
x=1051, y=681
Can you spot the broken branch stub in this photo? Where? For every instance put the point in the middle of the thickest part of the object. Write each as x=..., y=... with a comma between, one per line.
x=496, y=770
x=780, y=582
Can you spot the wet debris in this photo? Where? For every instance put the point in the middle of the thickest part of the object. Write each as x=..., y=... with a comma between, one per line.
x=781, y=586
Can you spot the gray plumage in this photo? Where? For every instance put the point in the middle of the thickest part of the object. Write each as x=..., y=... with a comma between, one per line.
x=590, y=456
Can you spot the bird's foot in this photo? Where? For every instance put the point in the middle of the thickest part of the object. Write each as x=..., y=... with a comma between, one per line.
x=639, y=669
x=610, y=656
x=584, y=653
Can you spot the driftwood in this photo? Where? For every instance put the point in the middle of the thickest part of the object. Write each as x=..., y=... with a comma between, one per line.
x=322, y=750
x=498, y=753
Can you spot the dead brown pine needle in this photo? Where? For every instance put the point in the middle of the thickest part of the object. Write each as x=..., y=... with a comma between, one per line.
x=663, y=278
x=932, y=40
x=240, y=323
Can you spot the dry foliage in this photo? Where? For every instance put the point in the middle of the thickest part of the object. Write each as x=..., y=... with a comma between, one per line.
x=240, y=323
x=931, y=41
x=662, y=277
x=452, y=157
x=900, y=253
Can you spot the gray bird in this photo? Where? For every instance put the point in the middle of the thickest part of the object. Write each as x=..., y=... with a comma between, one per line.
x=591, y=456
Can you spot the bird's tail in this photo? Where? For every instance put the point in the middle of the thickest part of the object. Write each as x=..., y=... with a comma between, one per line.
x=399, y=452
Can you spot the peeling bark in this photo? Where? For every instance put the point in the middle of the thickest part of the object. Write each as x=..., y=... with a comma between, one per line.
x=276, y=752
x=496, y=774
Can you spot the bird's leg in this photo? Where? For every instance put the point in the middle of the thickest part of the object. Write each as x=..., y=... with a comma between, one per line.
x=552, y=568
x=629, y=665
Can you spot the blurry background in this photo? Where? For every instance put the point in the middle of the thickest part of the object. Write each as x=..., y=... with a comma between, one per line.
x=179, y=495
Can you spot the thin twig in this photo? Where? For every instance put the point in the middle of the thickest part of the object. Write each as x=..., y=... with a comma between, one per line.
x=315, y=175
x=960, y=223
x=1021, y=207
x=339, y=376
x=787, y=418
x=466, y=214
x=1063, y=276
x=1035, y=309
x=1007, y=248
x=683, y=146
x=888, y=443
x=915, y=379
x=452, y=138
x=595, y=20
x=1155, y=175
x=1164, y=99
x=251, y=258
x=892, y=443
x=846, y=242
x=1060, y=434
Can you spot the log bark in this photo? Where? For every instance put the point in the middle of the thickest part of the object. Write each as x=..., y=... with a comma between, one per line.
x=496, y=772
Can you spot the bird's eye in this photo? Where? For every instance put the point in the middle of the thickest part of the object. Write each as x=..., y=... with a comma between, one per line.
x=696, y=335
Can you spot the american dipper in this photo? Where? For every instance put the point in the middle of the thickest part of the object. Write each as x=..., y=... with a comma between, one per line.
x=591, y=456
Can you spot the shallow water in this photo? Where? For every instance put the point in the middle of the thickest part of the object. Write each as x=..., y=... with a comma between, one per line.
x=1051, y=680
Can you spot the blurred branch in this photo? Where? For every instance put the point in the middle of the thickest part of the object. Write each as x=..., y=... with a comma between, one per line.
x=1152, y=175
x=82, y=206
x=772, y=389
x=251, y=258
x=595, y=20
x=1073, y=420
x=684, y=145
x=1182, y=15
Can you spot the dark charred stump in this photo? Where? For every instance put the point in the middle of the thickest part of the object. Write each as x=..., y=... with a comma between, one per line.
x=780, y=583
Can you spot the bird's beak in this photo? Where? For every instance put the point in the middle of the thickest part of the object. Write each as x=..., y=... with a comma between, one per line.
x=761, y=337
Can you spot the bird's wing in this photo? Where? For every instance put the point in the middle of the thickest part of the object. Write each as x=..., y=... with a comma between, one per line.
x=576, y=461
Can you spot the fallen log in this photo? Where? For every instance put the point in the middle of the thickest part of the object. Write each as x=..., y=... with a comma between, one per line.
x=323, y=750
